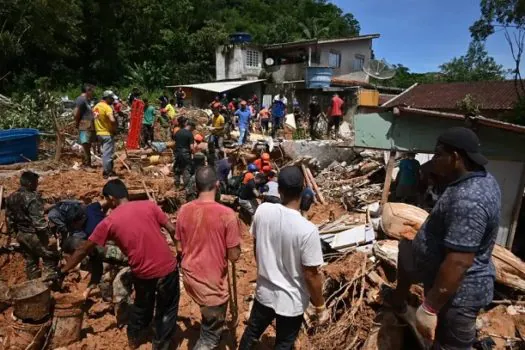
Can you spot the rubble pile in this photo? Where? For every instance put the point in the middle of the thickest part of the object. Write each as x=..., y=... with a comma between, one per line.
x=356, y=184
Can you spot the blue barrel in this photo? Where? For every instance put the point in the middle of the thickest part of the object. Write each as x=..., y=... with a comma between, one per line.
x=318, y=77
x=15, y=144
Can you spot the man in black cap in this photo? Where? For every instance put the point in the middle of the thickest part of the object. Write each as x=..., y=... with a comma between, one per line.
x=288, y=253
x=451, y=253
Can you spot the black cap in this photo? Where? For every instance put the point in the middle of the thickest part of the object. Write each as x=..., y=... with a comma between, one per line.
x=291, y=177
x=466, y=140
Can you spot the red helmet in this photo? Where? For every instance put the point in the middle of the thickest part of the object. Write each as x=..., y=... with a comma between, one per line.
x=265, y=156
x=198, y=138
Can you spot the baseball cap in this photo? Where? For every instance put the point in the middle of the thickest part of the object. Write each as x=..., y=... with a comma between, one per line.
x=109, y=93
x=291, y=177
x=465, y=140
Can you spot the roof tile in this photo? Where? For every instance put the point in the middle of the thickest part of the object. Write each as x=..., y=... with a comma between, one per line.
x=490, y=95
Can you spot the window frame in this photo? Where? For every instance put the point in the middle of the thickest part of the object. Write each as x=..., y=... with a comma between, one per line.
x=252, y=58
x=338, y=57
x=358, y=58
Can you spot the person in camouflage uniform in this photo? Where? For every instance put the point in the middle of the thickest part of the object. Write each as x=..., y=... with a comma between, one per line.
x=25, y=220
x=70, y=219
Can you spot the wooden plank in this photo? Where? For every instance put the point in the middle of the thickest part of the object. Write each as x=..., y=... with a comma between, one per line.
x=316, y=188
x=388, y=177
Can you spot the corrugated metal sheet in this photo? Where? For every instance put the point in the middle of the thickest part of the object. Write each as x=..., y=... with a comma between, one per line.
x=219, y=86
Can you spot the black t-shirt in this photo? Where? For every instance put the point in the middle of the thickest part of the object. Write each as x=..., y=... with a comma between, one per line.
x=246, y=192
x=314, y=110
x=183, y=140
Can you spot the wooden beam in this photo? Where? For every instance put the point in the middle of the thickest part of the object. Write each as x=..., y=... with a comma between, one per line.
x=388, y=177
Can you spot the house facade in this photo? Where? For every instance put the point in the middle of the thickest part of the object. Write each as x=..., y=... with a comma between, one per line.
x=287, y=62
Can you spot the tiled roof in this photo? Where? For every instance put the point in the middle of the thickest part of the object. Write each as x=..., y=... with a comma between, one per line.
x=490, y=95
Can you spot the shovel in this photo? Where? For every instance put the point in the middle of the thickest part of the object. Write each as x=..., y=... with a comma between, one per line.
x=234, y=307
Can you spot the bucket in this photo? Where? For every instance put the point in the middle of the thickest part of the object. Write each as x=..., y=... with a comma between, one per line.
x=32, y=300
x=26, y=336
x=67, y=321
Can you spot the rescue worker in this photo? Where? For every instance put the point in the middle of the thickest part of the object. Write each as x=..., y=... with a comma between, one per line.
x=314, y=110
x=451, y=252
x=249, y=193
x=263, y=161
x=244, y=115
x=26, y=220
x=208, y=235
x=136, y=227
x=183, y=149
x=106, y=127
x=180, y=95
x=74, y=223
x=335, y=114
x=216, y=141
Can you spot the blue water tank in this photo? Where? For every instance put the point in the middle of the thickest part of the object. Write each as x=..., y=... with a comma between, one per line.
x=318, y=77
x=15, y=144
x=240, y=38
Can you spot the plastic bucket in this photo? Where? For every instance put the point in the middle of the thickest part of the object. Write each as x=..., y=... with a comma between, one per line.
x=67, y=322
x=31, y=299
x=26, y=336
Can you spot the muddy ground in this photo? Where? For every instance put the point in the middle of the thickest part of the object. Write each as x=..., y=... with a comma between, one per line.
x=100, y=330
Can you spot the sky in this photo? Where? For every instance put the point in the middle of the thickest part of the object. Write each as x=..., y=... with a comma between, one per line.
x=423, y=34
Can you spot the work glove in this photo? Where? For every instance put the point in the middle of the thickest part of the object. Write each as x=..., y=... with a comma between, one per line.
x=318, y=315
x=426, y=322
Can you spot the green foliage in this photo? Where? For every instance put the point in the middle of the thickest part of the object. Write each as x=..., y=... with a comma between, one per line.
x=468, y=105
x=510, y=13
x=142, y=42
x=476, y=65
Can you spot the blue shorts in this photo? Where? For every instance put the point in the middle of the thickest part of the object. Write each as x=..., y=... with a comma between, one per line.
x=86, y=136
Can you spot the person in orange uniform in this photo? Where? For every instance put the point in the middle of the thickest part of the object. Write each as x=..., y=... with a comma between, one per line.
x=263, y=161
x=106, y=126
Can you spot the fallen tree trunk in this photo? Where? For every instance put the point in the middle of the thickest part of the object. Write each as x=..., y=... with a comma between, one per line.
x=510, y=270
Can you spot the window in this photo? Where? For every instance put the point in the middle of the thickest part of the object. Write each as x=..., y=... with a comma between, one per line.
x=252, y=58
x=359, y=62
x=334, y=59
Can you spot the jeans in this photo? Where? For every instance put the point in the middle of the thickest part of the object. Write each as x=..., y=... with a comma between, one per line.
x=147, y=134
x=261, y=316
x=182, y=166
x=276, y=124
x=456, y=329
x=159, y=296
x=334, y=121
x=242, y=134
x=108, y=149
x=212, y=325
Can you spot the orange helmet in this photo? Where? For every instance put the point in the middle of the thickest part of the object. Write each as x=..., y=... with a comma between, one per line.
x=265, y=156
x=266, y=169
x=198, y=138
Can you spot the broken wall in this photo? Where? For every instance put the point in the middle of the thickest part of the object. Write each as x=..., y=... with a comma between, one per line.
x=325, y=151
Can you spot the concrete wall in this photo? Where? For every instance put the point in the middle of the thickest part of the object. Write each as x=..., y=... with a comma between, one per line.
x=348, y=52
x=230, y=63
x=324, y=151
x=287, y=72
x=504, y=149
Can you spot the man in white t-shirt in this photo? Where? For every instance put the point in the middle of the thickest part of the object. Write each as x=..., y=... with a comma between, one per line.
x=288, y=253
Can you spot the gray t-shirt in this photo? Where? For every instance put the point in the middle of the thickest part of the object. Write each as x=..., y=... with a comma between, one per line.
x=465, y=219
x=86, y=114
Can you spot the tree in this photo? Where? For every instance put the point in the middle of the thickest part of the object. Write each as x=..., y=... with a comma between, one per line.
x=405, y=79
x=510, y=16
x=476, y=65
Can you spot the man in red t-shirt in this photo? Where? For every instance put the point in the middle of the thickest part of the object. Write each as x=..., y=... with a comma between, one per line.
x=135, y=227
x=209, y=236
x=335, y=114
